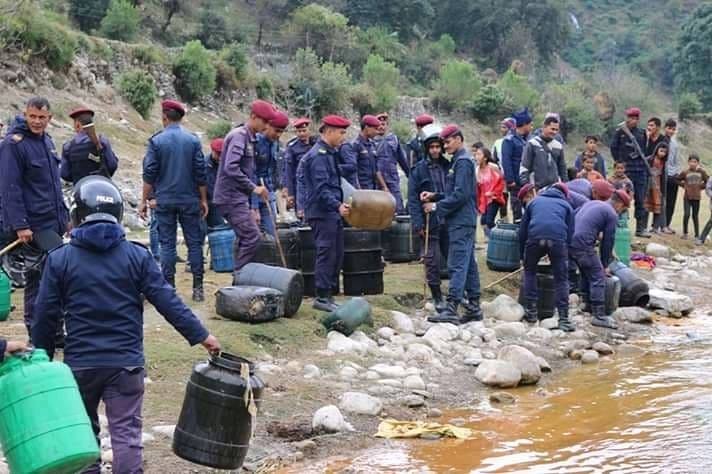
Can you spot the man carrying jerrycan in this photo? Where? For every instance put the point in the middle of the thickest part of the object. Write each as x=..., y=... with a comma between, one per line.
x=98, y=280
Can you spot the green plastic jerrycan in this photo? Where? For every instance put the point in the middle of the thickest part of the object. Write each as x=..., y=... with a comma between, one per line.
x=44, y=427
x=5, y=292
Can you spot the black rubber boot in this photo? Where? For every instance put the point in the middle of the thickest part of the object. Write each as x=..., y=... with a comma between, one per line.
x=531, y=313
x=322, y=302
x=198, y=293
x=449, y=315
x=600, y=319
x=565, y=324
x=473, y=312
x=438, y=300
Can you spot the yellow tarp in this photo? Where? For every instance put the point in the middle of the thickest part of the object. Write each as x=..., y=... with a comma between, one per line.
x=414, y=429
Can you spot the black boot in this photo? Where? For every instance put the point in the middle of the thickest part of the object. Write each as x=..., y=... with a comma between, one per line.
x=600, y=319
x=531, y=313
x=198, y=293
x=586, y=303
x=565, y=324
x=322, y=302
x=438, y=298
x=473, y=312
x=449, y=315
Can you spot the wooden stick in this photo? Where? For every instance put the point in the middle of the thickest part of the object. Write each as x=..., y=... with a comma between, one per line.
x=10, y=247
x=508, y=275
x=425, y=255
x=274, y=226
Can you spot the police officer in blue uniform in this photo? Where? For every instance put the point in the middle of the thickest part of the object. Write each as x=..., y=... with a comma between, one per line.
x=416, y=151
x=362, y=151
x=267, y=169
x=86, y=153
x=391, y=155
x=512, y=149
x=30, y=187
x=174, y=171
x=324, y=207
x=296, y=148
x=429, y=175
x=457, y=208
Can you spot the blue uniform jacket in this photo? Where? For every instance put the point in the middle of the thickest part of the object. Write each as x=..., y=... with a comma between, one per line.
x=512, y=149
x=593, y=218
x=211, y=175
x=363, y=151
x=457, y=205
x=548, y=217
x=415, y=147
x=349, y=163
x=577, y=200
x=581, y=186
x=30, y=188
x=97, y=281
x=76, y=163
x=175, y=166
x=391, y=154
x=266, y=166
x=426, y=175
x=322, y=182
x=296, y=149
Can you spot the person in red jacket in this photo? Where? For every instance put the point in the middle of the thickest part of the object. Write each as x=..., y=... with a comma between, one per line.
x=490, y=189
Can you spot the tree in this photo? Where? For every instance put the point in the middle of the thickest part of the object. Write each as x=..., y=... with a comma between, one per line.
x=139, y=89
x=409, y=18
x=319, y=28
x=121, y=21
x=693, y=67
x=383, y=78
x=457, y=84
x=213, y=31
x=87, y=14
x=265, y=12
x=171, y=7
x=195, y=74
x=517, y=91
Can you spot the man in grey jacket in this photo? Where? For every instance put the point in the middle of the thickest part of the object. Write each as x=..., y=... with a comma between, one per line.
x=543, y=162
x=672, y=169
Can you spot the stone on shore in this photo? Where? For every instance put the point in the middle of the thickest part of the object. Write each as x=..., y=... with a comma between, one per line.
x=657, y=250
x=671, y=302
x=602, y=348
x=360, y=403
x=330, y=419
x=498, y=373
x=634, y=314
x=589, y=357
x=510, y=330
x=402, y=323
x=503, y=308
x=340, y=344
x=523, y=360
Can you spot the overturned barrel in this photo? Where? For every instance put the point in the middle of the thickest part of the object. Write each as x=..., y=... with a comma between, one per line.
x=289, y=282
x=613, y=294
x=634, y=290
x=503, y=248
x=249, y=304
x=363, y=263
x=371, y=209
x=219, y=410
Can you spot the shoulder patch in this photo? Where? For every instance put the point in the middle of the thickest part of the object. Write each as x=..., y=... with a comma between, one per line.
x=17, y=138
x=292, y=141
x=322, y=151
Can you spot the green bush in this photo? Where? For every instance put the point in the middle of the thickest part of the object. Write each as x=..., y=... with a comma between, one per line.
x=688, y=105
x=219, y=129
x=383, y=78
x=334, y=87
x=362, y=98
x=457, y=85
x=402, y=129
x=195, y=74
x=121, y=21
x=50, y=41
x=225, y=79
x=235, y=55
x=264, y=88
x=139, y=89
x=87, y=14
x=147, y=54
x=488, y=103
x=213, y=29
x=517, y=91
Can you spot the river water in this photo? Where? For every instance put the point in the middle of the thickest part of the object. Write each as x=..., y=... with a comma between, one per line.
x=646, y=411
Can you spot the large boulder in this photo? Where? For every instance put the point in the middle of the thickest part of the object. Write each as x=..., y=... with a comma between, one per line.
x=360, y=403
x=657, y=250
x=503, y=308
x=670, y=301
x=498, y=373
x=330, y=419
x=634, y=314
x=524, y=360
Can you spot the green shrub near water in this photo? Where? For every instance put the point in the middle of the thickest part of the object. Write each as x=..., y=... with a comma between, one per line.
x=139, y=88
x=195, y=73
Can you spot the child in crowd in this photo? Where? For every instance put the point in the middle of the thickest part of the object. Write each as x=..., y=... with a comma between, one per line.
x=655, y=197
x=588, y=162
x=693, y=179
x=619, y=180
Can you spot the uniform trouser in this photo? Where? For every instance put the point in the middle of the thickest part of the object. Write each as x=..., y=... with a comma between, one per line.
x=558, y=254
x=266, y=222
x=188, y=215
x=691, y=208
x=515, y=203
x=122, y=393
x=640, y=188
x=593, y=277
x=32, y=288
x=437, y=245
x=247, y=233
x=670, y=199
x=706, y=231
x=394, y=188
x=153, y=238
x=329, y=243
x=462, y=268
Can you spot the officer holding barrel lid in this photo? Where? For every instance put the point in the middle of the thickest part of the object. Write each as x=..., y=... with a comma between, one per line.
x=324, y=208
x=98, y=282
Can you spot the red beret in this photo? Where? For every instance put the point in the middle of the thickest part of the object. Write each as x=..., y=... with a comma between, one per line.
x=370, y=121
x=335, y=121
x=423, y=120
x=382, y=116
x=524, y=191
x=624, y=197
x=279, y=120
x=263, y=109
x=301, y=122
x=173, y=105
x=603, y=189
x=449, y=131
x=632, y=112
x=217, y=145
x=80, y=111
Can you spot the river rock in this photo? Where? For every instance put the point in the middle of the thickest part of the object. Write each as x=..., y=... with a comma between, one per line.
x=419, y=353
x=444, y=332
x=412, y=401
x=340, y=344
x=503, y=398
x=383, y=390
x=540, y=335
x=348, y=373
x=147, y=438
x=498, y=373
x=391, y=371
x=524, y=360
x=362, y=338
x=503, y=308
x=414, y=382
x=386, y=333
x=392, y=383
x=435, y=413
x=165, y=430
x=574, y=300
x=634, y=314
x=657, y=250
x=371, y=375
x=402, y=322
x=543, y=364
x=465, y=335
x=670, y=301
x=589, y=357
x=602, y=348
x=488, y=334
x=360, y=403
x=311, y=371
x=330, y=419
